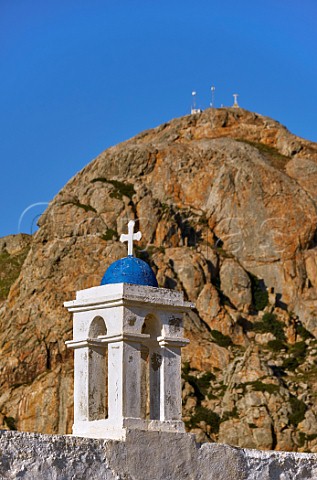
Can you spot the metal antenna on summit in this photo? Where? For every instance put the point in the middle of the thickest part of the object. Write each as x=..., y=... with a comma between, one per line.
x=194, y=109
x=212, y=96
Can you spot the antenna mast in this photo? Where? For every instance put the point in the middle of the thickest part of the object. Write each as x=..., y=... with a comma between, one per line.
x=194, y=109
x=213, y=88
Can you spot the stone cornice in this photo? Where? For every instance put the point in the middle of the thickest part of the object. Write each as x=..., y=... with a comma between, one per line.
x=102, y=340
x=172, y=341
x=88, y=342
x=117, y=295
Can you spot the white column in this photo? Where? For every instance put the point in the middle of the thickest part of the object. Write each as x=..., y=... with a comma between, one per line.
x=115, y=382
x=81, y=376
x=171, y=398
x=124, y=377
x=132, y=403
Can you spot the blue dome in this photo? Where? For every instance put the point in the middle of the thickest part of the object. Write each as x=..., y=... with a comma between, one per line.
x=130, y=270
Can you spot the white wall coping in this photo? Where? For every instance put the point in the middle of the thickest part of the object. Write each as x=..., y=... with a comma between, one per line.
x=144, y=455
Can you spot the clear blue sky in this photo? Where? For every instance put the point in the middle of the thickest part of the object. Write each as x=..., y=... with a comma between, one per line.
x=77, y=76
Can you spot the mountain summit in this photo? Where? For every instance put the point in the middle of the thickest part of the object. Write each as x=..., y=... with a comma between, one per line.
x=227, y=203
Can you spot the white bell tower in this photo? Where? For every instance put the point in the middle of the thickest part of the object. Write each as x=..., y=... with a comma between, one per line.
x=127, y=338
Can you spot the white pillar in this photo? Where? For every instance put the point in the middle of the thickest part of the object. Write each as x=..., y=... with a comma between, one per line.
x=81, y=384
x=124, y=377
x=170, y=398
x=132, y=380
x=115, y=374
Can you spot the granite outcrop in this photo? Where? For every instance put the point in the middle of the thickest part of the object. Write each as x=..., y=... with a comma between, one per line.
x=227, y=205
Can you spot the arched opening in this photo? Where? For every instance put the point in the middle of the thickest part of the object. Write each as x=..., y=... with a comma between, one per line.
x=97, y=327
x=151, y=363
x=97, y=372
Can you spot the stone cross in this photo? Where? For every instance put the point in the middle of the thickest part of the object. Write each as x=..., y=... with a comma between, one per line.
x=130, y=237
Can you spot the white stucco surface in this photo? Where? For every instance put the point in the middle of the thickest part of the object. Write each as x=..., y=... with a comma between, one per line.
x=143, y=456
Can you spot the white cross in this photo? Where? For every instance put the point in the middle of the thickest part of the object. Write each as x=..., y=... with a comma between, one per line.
x=130, y=237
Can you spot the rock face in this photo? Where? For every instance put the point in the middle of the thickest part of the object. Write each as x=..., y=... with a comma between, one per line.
x=13, y=251
x=226, y=202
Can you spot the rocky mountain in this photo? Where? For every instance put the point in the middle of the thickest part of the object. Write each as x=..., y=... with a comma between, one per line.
x=227, y=204
x=13, y=251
